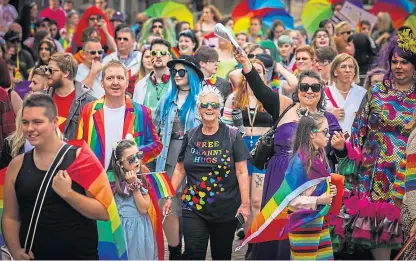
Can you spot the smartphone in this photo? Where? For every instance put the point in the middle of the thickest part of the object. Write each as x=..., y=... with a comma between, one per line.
x=240, y=218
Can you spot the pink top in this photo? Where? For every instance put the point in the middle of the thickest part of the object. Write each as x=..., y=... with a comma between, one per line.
x=59, y=16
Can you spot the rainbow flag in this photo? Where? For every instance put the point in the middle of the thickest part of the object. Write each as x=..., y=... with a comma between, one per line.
x=175, y=52
x=160, y=184
x=88, y=172
x=273, y=222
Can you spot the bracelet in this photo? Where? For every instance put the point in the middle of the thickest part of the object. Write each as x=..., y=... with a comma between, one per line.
x=133, y=186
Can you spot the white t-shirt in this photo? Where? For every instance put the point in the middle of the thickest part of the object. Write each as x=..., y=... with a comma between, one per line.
x=113, y=129
x=97, y=90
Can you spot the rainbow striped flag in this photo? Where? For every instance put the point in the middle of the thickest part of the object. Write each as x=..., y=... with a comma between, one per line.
x=88, y=172
x=160, y=184
x=175, y=52
x=273, y=222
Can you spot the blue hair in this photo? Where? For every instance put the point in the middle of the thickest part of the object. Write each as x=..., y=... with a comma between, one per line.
x=190, y=102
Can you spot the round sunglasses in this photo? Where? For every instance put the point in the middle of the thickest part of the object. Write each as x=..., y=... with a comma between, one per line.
x=181, y=72
x=157, y=53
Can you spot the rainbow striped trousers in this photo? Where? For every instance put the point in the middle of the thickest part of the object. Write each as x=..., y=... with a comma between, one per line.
x=311, y=241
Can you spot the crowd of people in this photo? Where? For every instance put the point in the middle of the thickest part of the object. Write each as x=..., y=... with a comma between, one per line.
x=159, y=96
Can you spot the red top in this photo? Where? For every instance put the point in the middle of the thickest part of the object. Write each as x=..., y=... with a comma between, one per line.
x=59, y=16
x=64, y=105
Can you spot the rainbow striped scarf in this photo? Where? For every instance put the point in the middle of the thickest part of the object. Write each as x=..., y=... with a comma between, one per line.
x=273, y=222
x=88, y=172
x=137, y=121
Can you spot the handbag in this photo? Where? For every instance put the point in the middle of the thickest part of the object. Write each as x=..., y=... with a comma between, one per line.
x=264, y=150
x=5, y=253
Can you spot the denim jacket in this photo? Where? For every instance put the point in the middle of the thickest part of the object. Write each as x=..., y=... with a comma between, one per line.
x=164, y=125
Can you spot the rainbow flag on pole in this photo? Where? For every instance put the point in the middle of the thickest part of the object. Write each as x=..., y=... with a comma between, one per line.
x=161, y=184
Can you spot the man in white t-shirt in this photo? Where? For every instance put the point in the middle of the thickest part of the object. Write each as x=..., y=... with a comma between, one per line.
x=110, y=118
x=89, y=71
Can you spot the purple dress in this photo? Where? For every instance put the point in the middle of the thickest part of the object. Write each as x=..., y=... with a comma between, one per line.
x=276, y=168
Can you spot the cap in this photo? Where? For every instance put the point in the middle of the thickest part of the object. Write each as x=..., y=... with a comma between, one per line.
x=118, y=16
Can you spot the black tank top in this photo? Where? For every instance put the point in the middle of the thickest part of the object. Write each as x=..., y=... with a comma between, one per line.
x=62, y=232
x=263, y=119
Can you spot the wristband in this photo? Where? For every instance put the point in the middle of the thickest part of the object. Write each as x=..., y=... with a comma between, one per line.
x=133, y=186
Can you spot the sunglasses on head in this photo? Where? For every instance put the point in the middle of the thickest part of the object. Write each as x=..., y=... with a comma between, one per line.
x=181, y=72
x=304, y=87
x=92, y=52
x=157, y=26
x=157, y=53
x=132, y=158
x=205, y=105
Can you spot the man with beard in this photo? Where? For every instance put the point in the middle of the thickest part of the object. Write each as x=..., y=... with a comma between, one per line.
x=150, y=90
x=69, y=95
x=89, y=71
x=125, y=40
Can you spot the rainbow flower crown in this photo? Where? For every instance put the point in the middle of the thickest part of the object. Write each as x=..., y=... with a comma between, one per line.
x=407, y=41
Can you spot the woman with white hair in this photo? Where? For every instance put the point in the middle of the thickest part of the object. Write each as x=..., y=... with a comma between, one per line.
x=213, y=160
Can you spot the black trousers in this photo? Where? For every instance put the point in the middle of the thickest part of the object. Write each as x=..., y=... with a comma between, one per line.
x=197, y=231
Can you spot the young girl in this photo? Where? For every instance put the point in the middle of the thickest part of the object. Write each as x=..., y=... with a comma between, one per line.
x=133, y=200
x=311, y=239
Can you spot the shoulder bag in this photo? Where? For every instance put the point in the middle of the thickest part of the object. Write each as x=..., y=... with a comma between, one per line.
x=264, y=149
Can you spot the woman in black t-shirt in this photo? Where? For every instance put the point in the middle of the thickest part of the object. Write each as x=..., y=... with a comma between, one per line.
x=214, y=161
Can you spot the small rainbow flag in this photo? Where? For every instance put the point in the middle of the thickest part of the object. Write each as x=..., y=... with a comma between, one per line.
x=175, y=52
x=161, y=184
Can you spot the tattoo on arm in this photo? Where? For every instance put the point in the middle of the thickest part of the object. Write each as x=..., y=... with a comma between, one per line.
x=259, y=181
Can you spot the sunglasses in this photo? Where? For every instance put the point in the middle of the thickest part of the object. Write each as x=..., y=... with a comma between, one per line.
x=205, y=105
x=14, y=41
x=181, y=72
x=100, y=52
x=302, y=58
x=324, y=131
x=45, y=49
x=304, y=87
x=157, y=53
x=95, y=18
x=157, y=26
x=132, y=158
x=122, y=38
x=348, y=32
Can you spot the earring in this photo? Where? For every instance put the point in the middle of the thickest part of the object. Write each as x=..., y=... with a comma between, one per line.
x=414, y=76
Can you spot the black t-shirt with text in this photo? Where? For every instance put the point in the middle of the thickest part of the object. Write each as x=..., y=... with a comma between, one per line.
x=212, y=190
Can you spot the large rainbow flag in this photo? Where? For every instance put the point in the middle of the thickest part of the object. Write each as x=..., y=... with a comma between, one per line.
x=88, y=172
x=274, y=222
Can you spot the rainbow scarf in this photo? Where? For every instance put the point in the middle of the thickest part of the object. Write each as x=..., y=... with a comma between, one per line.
x=137, y=121
x=88, y=172
x=273, y=222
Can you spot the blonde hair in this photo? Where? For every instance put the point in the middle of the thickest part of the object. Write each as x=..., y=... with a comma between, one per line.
x=114, y=63
x=339, y=26
x=241, y=99
x=41, y=71
x=340, y=58
x=66, y=63
x=385, y=21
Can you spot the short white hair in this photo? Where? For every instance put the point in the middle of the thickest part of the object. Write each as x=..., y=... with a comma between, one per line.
x=208, y=89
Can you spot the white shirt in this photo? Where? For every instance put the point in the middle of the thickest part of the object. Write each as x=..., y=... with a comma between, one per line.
x=97, y=90
x=113, y=129
x=350, y=105
x=140, y=90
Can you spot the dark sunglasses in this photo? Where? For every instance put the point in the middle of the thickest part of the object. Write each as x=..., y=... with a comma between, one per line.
x=156, y=53
x=251, y=56
x=45, y=49
x=132, y=158
x=304, y=87
x=95, y=18
x=100, y=52
x=324, y=131
x=348, y=32
x=157, y=26
x=302, y=58
x=122, y=38
x=181, y=72
x=205, y=105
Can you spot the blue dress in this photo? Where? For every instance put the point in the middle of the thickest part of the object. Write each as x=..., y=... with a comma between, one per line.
x=138, y=231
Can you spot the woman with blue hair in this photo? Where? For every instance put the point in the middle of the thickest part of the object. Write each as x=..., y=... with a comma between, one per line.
x=176, y=114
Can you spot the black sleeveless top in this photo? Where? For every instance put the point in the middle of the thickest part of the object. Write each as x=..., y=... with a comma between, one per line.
x=263, y=119
x=62, y=232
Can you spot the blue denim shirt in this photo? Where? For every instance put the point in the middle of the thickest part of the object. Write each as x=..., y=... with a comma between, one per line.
x=164, y=125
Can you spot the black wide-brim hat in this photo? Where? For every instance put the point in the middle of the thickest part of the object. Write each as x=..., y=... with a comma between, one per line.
x=189, y=61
